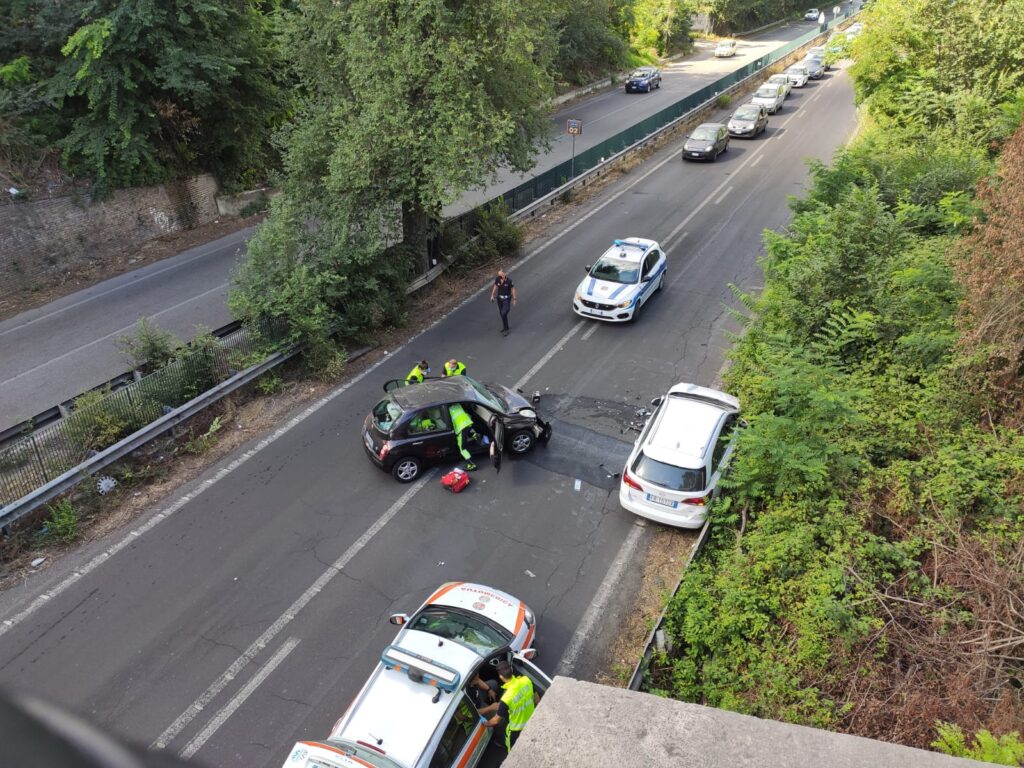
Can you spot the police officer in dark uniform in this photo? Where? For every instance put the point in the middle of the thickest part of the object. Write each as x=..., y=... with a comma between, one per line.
x=505, y=293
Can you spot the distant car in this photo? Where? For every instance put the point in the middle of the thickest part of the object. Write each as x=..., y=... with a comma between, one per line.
x=725, y=49
x=707, y=142
x=673, y=471
x=420, y=708
x=412, y=426
x=853, y=30
x=782, y=81
x=815, y=68
x=748, y=120
x=797, y=74
x=643, y=80
x=621, y=281
x=770, y=97
x=819, y=52
x=812, y=14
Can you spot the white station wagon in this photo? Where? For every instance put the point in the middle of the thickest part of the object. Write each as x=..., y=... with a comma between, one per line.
x=673, y=472
x=417, y=710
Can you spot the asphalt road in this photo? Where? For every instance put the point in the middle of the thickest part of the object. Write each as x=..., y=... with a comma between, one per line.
x=53, y=353
x=246, y=612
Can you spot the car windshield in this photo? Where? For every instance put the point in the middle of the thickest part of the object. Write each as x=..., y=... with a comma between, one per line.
x=705, y=134
x=640, y=73
x=463, y=628
x=619, y=270
x=386, y=413
x=797, y=71
x=668, y=476
x=489, y=397
x=725, y=44
x=767, y=92
x=778, y=79
x=750, y=113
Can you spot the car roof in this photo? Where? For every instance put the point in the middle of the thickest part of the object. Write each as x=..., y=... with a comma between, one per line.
x=715, y=126
x=398, y=714
x=500, y=607
x=645, y=69
x=452, y=389
x=630, y=248
x=686, y=422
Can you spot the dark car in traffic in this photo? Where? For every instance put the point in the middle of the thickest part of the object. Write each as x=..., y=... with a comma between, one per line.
x=643, y=80
x=707, y=142
x=411, y=427
x=748, y=120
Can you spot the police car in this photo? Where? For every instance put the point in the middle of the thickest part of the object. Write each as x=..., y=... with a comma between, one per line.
x=419, y=709
x=621, y=281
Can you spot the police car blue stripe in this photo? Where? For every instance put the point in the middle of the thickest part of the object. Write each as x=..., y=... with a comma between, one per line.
x=590, y=288
x=618, y=290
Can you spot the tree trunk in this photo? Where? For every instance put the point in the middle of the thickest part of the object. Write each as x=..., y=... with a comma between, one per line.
x=418, y=229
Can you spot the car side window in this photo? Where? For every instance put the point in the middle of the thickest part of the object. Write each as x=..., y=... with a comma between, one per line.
x=650, y=263
x=723, y=441
x=455, y=735
x=428, y=420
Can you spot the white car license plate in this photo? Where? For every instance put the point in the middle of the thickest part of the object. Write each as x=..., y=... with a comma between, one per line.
x=663, y=501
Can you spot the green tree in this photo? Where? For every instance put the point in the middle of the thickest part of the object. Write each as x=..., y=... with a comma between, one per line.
x=412, y=103
x=162, y=88
x=661, y=25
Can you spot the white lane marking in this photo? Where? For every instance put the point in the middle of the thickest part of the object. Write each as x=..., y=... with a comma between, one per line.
x=600, y=601
x=722, y=196
x=239, y=698
x=119, y=331
x=589, y=333
x=285, y=618
x=757, y=159
x=749, y=161
x=550, y=353
x=131, y=284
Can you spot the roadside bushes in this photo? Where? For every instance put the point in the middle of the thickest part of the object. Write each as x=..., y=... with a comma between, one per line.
x=866, y=568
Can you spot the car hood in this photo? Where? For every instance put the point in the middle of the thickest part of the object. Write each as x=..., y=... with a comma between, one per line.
x=513, y=401
x=638, y=79
x=743, y=121
x=606, y=291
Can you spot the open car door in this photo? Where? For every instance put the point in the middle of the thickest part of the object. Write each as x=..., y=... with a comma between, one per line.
x=391, y=384
x=541, y=682
x=497, y=441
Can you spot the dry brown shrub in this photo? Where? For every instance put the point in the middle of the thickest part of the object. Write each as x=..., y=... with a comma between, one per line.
x=990, y=267
x=957, y=656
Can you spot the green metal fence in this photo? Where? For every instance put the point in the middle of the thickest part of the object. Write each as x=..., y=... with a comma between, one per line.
x=543, y=183
x=47, y=453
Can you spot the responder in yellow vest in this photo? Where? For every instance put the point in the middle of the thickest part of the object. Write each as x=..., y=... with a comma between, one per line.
x=454, y=368
x=462, y=424
x=418, y=372
x=515, y=706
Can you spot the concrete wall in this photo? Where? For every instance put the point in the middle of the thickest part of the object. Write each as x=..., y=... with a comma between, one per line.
x=39, y=239
x=583, y=725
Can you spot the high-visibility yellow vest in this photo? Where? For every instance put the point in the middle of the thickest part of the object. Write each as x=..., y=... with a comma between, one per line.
x=457, y=370
x=460, y=419
x=416, y=374
x=518, y=697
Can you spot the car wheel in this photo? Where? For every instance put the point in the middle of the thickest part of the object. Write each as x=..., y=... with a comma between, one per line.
x=661, y=283
x=407, y=469
x=521, y=442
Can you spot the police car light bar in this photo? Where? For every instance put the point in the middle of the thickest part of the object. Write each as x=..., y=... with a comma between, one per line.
x=432, y=672
x=623, y=244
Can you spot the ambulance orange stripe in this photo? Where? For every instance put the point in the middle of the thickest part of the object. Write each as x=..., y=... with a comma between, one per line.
x=321, y=745
x=529, y=636
x=519, y=617
x=444, y=591
x=472, y=746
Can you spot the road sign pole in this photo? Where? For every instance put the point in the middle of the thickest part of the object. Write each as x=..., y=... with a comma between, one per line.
x=574, y=128
x=572, y=162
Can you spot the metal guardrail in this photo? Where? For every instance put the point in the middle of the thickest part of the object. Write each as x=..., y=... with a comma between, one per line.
x=637, y=678
x=69, y=446
x=67, y=480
